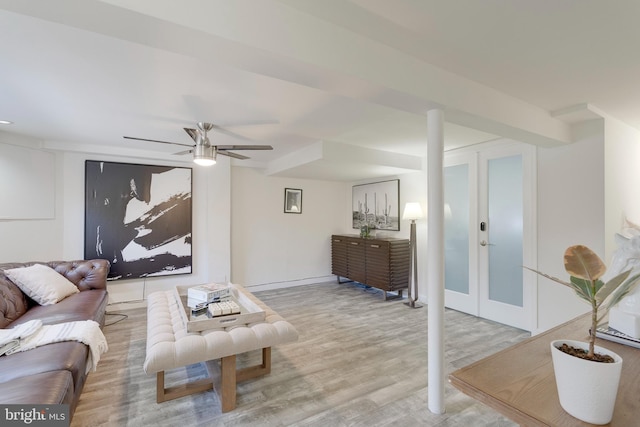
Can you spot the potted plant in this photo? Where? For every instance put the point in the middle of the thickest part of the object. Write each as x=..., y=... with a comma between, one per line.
x=587, y=376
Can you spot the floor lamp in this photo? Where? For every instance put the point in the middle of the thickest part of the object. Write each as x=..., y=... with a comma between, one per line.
x=413, y=211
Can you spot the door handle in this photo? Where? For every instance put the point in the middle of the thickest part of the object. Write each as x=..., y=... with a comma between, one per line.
x=484, y=243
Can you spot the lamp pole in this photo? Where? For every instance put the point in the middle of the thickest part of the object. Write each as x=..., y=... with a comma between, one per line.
x=413, y=211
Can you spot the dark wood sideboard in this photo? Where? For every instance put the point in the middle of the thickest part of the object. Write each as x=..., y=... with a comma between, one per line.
x=381, y=263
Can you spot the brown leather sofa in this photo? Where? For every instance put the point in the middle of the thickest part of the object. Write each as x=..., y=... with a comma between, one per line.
x=53, y=373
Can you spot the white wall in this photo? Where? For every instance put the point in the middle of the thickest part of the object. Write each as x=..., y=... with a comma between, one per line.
x=586, y=190
x=570, y=211
x=27, y=182
x=271, y=248
x=31, y=239
x=622, y=171
x=63, y=236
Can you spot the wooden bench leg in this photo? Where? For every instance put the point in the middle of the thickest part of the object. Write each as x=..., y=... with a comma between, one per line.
x=224, y=381
x=163, y=394
x=227, y=390
x=258, y=370
x=224, y=378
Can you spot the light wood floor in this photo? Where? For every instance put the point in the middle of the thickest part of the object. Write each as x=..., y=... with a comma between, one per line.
x=359, y=361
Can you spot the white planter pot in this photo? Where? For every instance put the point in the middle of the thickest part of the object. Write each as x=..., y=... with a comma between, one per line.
x=587, y=389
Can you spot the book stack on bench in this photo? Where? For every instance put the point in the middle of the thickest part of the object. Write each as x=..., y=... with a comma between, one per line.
x=199, y=297
x=223, y=308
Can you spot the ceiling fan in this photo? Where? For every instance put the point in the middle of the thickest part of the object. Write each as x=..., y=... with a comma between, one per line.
x=203, y=152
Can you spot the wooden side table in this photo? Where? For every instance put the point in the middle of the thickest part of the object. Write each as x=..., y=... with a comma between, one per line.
x=519, y=381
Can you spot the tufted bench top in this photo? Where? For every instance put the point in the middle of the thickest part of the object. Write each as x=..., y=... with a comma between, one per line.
x=169, y=345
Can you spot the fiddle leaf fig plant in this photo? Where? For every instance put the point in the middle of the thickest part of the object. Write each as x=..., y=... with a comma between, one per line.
x=585, y=270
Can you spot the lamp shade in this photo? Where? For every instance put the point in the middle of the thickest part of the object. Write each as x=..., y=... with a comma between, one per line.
x=412, y=210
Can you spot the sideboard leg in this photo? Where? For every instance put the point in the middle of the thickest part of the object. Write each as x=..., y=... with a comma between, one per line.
x=388, y=297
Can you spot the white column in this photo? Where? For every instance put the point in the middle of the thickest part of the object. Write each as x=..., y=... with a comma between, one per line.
x=435, y=260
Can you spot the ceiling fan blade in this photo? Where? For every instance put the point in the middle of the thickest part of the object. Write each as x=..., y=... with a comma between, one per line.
x=155, y=140
x=192, y=133
x=244, y=147
x=183, y=152
x=234, y=155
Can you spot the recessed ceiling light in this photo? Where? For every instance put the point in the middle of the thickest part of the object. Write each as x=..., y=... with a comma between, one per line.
x=5, y=122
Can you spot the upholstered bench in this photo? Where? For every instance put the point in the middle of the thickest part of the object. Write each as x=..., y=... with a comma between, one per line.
x=170, y=345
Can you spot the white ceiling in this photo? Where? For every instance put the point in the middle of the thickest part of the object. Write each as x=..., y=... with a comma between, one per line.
x=292, y=73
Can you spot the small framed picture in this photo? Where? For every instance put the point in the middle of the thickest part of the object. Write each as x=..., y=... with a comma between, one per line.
x=292, y=200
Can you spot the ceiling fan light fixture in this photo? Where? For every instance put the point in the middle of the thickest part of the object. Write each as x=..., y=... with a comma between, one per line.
x=204, y=162
x=204, y=155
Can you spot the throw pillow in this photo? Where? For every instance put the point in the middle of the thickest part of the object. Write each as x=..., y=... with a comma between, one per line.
x=42, y=283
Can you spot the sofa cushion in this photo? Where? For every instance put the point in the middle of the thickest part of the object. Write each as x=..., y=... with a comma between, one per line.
x=67, y=356
x=62, y=356
x=13, y=302
x=42, y=283
x=85, y=305
x=45, y=388
x=85, y=274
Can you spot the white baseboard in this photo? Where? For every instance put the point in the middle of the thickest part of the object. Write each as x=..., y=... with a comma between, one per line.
x=289, y=284
x=127, y=305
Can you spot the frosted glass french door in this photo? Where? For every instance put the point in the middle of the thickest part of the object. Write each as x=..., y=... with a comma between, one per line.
x=460, y=239
x=489, y=233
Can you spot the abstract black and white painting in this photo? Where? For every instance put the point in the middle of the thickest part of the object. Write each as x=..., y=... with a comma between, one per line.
x=376, y=205
x=138, y=217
